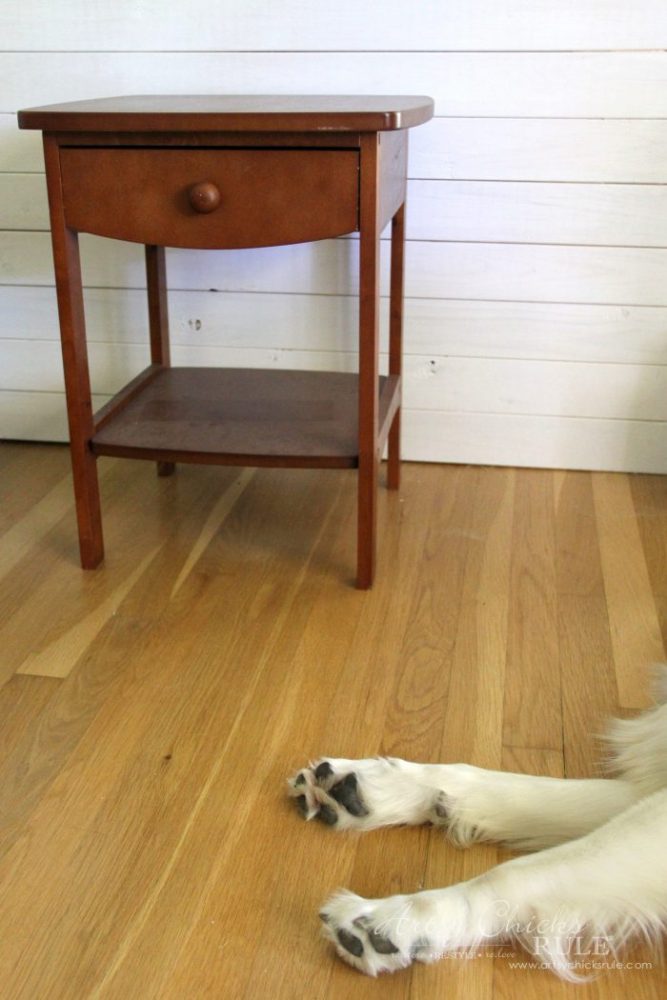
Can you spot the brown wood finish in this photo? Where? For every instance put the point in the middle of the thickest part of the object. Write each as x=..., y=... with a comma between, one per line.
x=228, y=172
x=212, y=140
x=129, y=392
x=369, y=331
x=267, y=197
x=239, y=113
x=75, y=363
x=158, y=320
x=242, y=417
x=396, y=340
x=158, y=312
x=393, y=174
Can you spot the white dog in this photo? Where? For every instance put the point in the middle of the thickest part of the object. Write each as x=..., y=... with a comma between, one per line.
x=599, y=879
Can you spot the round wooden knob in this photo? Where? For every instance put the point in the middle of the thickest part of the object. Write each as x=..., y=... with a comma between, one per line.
x=204, y=197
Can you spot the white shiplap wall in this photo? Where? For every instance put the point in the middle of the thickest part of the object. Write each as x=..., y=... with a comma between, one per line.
x=536, y=310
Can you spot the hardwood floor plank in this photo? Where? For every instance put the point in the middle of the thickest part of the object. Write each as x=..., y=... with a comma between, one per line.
x=29, y=473
x=589, y=691
x=532, y=693
x=213, y=522
x=59, y=657
x=635, y=630
x=22, y=701
x=36, y=522
x=649, y=495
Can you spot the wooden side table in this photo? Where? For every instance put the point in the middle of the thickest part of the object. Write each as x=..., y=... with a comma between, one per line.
x=224, y=173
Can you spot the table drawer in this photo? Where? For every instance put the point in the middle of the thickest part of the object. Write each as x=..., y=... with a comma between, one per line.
x=211, y=198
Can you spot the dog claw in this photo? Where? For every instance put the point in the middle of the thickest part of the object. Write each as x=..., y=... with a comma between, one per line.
x=302, y=805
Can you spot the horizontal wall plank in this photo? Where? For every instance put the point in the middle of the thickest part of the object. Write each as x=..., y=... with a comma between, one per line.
x=23, y=201
x=36, y=416
x=484, y=385
x=546, y=85
x=522, y=330
x=344, y=24
x=480, y=211
x=19, y=150
x=540, y=331
x=540, y=442
x=547, y=388
x=591, y=275
x=201, y=319
x=540, y=149
x=585, y=214
x=507, y=149
x=487, y=439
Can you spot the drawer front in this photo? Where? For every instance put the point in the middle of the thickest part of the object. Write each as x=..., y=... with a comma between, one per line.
x=211, y=198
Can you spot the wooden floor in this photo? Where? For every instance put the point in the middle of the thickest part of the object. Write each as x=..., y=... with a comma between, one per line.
x=152, y=710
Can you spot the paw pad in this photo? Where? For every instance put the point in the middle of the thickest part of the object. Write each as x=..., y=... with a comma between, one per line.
x=378, y=942
x=358, y=927
x=331, y=797
x=346, y=793
x=350, y=942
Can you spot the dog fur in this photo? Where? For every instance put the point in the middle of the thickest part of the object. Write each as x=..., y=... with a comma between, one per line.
x=596, y=877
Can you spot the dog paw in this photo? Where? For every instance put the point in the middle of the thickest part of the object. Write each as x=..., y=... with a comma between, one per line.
x=374, y=936
x=365, y=794
x=330, y=791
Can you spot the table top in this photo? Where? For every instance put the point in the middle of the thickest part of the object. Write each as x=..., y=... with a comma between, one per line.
x=225, y=113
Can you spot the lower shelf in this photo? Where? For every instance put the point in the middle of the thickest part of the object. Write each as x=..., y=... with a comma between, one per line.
x=241, y=417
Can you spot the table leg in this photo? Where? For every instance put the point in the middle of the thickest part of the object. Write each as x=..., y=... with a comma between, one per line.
x=396, y=340
x=158, y=320
x=75, y=360
x=369, y=296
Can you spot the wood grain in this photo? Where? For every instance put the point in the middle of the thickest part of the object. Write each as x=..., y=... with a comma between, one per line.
x=268, y=197
x=532, y=691
x=243, y=417
x=647, y=495
x=147, y=846
x=633, y=618
x=589, y=690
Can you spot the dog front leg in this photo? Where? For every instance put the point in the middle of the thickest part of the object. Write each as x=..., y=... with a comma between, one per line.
x=471, y=803
x=596, y=892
